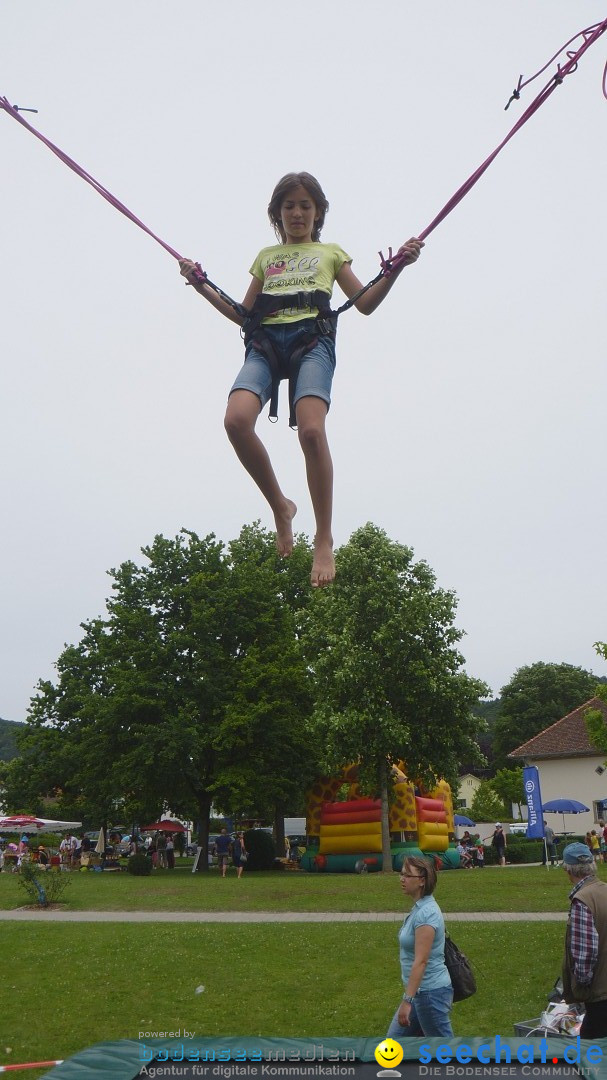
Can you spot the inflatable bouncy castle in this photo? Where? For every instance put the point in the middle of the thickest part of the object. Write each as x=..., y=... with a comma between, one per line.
x=344, y=834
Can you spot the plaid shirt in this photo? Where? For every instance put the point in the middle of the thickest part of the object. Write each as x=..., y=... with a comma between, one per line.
x=584, y=940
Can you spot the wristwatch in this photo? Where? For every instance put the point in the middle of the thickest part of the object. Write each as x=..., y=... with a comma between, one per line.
x=408, y=999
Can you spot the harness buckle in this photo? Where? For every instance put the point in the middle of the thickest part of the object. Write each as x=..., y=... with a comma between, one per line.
x=324, y=325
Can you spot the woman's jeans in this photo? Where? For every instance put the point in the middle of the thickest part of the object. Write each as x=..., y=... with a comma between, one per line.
x=429, y=1015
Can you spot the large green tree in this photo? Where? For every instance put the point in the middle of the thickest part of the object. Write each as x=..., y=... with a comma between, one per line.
x=192, y=690
x=595, y=718
x=536, y=696
x=508, y=783
x=487, y=804
x=272, y=757
x=389, y=681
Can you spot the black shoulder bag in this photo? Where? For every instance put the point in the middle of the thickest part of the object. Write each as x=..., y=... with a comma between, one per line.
x=460, y=972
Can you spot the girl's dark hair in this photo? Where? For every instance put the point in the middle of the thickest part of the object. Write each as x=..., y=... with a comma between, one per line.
x=282, y=189
x=423, y=867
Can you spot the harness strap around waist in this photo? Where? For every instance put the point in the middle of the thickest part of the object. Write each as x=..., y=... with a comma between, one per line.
x=267, y=304
x=284, y=366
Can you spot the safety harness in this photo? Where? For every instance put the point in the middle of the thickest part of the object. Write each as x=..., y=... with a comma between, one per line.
x=283, y=364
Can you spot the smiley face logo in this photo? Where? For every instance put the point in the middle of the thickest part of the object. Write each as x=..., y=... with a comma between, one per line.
x=389, y=1053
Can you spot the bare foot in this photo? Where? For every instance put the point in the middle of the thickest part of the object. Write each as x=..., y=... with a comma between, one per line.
x=323, y=566
x=284, y=529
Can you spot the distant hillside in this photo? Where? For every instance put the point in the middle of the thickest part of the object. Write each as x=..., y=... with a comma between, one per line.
x=8, y=745
x=488, y=710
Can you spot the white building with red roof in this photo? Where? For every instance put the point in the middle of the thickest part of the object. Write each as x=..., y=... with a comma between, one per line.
x=570, y=767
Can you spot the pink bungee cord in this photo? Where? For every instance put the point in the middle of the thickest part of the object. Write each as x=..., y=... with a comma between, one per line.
x=30, y=1065
x=391, y=262
x=15, y=111
x=589, y=35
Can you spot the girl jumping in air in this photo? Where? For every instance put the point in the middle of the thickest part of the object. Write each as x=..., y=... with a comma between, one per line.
x=289, y=333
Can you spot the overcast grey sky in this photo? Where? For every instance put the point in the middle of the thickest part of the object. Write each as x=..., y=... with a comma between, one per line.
x=469, y=410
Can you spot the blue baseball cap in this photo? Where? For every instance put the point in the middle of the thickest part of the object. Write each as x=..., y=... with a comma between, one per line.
x=577, y=853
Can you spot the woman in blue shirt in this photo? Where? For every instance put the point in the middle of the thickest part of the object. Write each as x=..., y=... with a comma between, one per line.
x=428, y=996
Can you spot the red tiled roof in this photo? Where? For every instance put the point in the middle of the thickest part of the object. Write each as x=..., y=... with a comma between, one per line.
x=567, y=737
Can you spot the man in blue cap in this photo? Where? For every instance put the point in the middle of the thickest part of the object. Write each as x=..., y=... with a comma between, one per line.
x=585, y=960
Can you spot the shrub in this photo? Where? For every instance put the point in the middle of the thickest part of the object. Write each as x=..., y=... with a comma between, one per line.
x=261, y=848
x=521, y=849
x=42, y=887
x=140, y=864
x=50, y=840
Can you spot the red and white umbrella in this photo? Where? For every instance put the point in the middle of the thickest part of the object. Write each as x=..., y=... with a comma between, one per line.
x=23, y=823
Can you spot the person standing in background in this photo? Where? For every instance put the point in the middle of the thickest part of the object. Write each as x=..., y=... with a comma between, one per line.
x=498, y=841
x=161, y=850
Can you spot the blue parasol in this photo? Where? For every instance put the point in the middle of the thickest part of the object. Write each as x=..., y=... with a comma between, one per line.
x=565, y=806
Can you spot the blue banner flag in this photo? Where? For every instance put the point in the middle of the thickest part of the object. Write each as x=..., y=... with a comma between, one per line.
x=533, y=795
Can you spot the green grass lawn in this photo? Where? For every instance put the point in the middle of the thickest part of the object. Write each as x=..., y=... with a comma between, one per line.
x=69, y=986
x=511, y=889
x=66, y=986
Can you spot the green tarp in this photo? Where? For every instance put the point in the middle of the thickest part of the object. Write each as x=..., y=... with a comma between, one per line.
x=124, y=1060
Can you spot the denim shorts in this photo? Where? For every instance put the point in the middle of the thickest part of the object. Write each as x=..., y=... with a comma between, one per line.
x=315, y=374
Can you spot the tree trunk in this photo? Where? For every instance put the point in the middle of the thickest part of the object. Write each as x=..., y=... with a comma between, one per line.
x=279, y=832
x=204, y=813
x=385, y=820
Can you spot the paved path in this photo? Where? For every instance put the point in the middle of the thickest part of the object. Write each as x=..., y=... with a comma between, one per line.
x=24, y=915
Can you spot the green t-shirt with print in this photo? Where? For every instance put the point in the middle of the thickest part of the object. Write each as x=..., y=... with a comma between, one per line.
x=286, y=269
